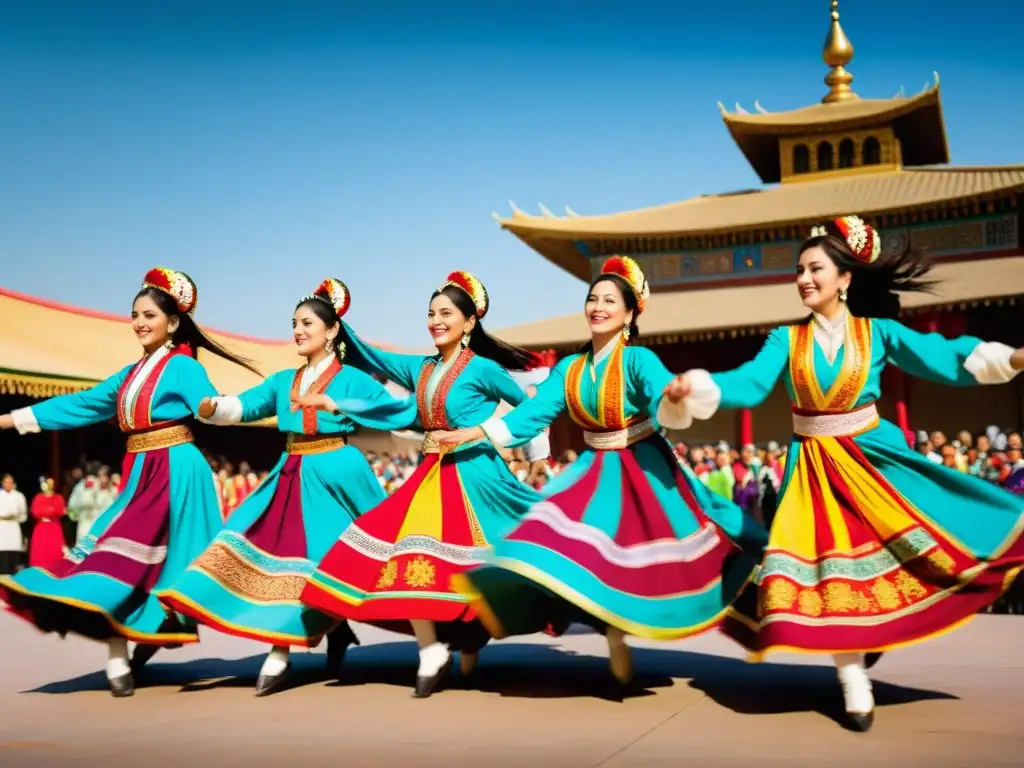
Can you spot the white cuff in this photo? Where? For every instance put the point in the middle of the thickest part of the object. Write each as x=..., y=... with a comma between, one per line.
x=702, y=402
x=229, y=411
x=25, y=421
x=539, y=448
x=497, y=432
x=989, y=363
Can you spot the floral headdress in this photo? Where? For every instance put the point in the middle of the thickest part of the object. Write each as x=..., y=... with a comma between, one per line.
x=335, y=293
x=629, y=270
x=473, y=287
x=177, y=285
x=861, y=237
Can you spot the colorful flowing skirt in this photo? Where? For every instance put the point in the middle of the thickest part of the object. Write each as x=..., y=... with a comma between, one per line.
x=874, y=547
x=248, y=581
x=164, y=517
x=395, y=563
x=625, y=538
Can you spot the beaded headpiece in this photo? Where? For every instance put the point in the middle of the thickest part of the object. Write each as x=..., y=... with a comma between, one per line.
x=861, y=237
x=335, y=293
x=177, y=285
x=473, y=287
x=629, y=270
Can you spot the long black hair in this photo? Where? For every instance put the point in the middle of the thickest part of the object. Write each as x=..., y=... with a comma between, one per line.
x=324, y=310
x=628, y=298
x=188, y=332
x=506, y=355
x=874, y=288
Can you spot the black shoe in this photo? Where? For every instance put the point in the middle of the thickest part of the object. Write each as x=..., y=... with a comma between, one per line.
x=426, y=685
x=338, y=642
x=870, y=659
x=122, y=687
x=860, y=723
x=268, y=684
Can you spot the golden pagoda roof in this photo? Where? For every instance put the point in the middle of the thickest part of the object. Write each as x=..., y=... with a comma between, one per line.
x=711, y=312
x=916, y=121
x=47, y=349
x=806, y=203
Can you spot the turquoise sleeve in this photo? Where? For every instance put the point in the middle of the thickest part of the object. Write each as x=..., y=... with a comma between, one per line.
x=193, y=382
x=260, y=402
x=399, y=368
x=928, y=356
x=365, y=401
x=649, y=376
x=750, y=384
x=499, y=384
x=81, y=409
x=534, y=414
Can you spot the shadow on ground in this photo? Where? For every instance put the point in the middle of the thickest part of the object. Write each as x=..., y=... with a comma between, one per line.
x=527, y=670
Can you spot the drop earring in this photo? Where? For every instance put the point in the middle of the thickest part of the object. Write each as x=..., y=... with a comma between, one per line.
x=465, y=340
x=842, y=294
x=329, y=346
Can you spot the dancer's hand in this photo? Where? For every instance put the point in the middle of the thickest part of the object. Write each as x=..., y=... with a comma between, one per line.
x=6, y=421
x=459, y=437
x=320, y=402
x=531, y=391
x=678, y=388
x=207, y=407
x=1017, y=360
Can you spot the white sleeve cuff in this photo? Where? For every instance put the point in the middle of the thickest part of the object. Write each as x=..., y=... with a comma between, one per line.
x=702, y=402
x=989, y=363
x=497, y=432
x=229, y=411
x=539, y=448
x=25, y=421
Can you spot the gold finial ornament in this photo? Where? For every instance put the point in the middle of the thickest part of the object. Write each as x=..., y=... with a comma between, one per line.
x=837, y=53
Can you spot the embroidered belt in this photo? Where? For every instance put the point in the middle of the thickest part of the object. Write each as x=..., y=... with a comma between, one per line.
x=161, y=437
x=843, y=424
x=302, y=445
x=430, y=445
x=620, y=438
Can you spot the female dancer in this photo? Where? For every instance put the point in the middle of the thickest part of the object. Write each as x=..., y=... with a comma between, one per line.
x=167, y=512
x=248, y=581
x=624, y=537
x=393, y=565
x=873, y=546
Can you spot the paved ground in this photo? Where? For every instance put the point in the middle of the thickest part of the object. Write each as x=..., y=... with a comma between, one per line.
x=537, y=702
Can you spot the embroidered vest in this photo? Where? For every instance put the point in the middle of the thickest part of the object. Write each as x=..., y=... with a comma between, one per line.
x=611, y=393
x=135, y=395
x=309, y=426
x=433, y=415
x=852, y=376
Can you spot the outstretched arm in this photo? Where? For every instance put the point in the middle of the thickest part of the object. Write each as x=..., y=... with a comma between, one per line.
x=963, y=361
x=80, y=409
x=255, y=404
x=400, y=368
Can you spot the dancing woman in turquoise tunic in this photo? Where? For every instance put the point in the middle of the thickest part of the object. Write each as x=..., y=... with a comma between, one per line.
x=393, y=566
x=167, y=510
x=248, y=581
x=873, y=547
x=626, y=540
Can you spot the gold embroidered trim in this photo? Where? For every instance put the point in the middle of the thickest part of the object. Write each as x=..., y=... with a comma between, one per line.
x=303, y=445
x=167, y=437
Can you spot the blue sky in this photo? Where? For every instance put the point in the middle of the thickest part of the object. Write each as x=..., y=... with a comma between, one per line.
x=261, y=146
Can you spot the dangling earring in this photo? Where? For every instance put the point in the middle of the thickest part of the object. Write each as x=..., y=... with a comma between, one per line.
x=341, y=350
x=465, y=339
x=842, y=294
x=625, y=334
x=329, y=345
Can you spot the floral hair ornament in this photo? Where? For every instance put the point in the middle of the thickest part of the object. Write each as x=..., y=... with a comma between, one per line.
x=629, y=270
x=335, y=293
x=471, y=286
x=177, y=285
x=861, y=237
